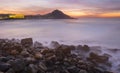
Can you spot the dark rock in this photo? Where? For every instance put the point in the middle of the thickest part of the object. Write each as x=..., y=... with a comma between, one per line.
x=32, y=68
x=27, y=42
x=83, y=71
x=98, y=58
x=25, y=53
x=63, y=51
x=38, y=55
x=18, y=65
x=73, y=69
x=4, y=59
x=42, y=66
x=10, y=71
x=86, y=48
x=4, y=67
x=30, y=60
x=38, y=45
x=54, y=44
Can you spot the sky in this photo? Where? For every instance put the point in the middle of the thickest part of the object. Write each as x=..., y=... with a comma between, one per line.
x=75, y=8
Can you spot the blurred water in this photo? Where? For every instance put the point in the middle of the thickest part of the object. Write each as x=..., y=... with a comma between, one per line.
x=94, y=32
x=102, y=32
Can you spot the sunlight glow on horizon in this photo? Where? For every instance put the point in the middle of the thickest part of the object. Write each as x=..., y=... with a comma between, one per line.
x=78, y=8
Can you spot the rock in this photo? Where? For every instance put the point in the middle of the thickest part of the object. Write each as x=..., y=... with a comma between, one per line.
x=4, y=67
x=42, y=66
x=14, y=52
x=30, y=60
x=32, y=68
x=86, y=48
x=54, y=44
x=63, y=51
x=38, y=56
x=98, y=58
x=83, y=71
x=27, y=42
x=25, y=53
x=46, y=51
x=1, y=72
x=73, y=69
x=18, y=65
x=10, y=71
x=4, y=59
x=108, y=72
x=38, y=45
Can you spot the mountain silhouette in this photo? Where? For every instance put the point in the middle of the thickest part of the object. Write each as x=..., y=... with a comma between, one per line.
x=56, y=14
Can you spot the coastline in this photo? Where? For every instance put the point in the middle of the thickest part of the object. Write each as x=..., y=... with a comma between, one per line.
x=33, y=57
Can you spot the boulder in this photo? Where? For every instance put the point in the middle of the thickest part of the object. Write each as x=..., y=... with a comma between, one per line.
x=84, y=48
x=27, y=42
x=18, y=65
x=14, y=52
x=10, y=71
x=4, y=67
x=32, y=68
x=98, y=58
x=73, y=69
x=25, y=53
x=42, y=66
x=38, y=45
x=54, y=44
x=38, y=55
x=4, y=59
x=83, y=71
x=63, y=50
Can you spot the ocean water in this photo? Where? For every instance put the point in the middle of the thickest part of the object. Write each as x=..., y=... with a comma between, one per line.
x=94, y=32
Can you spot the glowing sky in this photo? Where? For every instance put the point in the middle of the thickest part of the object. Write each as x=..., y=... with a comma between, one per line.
x=76, y=8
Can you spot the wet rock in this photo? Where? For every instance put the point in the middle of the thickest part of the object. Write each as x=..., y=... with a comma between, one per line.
x=27, y=42
x=4, y=67
x=38, y=55
x=30, y=60
x=42, y=66
x=83, y=71
x=63, y=51
x=1, y=72
x=10, y=71
x=54, y=44
x=18, y=65
x=46, y=51
x=108, y=72
x=86, y=48
x=97, y=58
x=4, y=59
x=25, y=53
x=38, y=45
x=73, y=69
x=14, y=52
x=32, y=68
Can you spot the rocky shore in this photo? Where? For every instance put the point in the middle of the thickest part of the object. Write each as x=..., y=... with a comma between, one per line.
x=26, y=56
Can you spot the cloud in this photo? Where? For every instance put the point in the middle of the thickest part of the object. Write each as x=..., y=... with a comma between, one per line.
x=93, y=5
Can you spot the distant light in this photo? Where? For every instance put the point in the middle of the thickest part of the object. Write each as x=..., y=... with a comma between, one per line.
x=18, y=16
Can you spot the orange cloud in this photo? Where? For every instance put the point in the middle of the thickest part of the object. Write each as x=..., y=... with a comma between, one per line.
x=76, y=13
x=110, y=14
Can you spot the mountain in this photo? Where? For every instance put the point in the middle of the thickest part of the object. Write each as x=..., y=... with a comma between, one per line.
x=56, y=14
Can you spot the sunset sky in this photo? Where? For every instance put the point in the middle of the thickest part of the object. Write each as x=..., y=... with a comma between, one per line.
x=75, y=8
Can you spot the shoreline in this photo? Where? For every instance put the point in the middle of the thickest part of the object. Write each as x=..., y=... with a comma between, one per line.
x=58, y=58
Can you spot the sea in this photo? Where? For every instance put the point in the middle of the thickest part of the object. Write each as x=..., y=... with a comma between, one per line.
x=104, y=32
